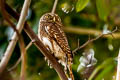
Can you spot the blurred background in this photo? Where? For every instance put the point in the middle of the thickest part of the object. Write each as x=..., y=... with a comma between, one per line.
x=82, y=19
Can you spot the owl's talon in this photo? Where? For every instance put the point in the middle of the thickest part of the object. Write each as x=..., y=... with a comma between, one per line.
x=65, y=69
x=45, y=58
x=49, y=64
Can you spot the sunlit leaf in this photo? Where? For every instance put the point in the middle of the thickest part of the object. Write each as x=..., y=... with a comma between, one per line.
x=104, y=65
x=105, y=72
x=103, y=8
x=81, y=4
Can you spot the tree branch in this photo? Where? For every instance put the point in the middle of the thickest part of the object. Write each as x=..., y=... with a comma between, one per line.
x=85, y=31
x=12, y=44
x=54, y=6
x=39, y=45
x=22, y=47
x=18, y=61
x=91, y=40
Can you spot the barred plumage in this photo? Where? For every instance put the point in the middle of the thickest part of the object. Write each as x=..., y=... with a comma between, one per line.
x=50, y=32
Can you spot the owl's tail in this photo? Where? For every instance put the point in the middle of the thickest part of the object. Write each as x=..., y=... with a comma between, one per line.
x=70, y=66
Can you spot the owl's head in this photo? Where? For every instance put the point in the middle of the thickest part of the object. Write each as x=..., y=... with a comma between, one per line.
x=49, y=17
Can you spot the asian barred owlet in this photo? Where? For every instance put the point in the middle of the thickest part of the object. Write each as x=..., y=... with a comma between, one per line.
x=51, y=34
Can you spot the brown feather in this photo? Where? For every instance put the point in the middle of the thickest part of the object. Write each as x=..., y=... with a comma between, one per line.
x=50, y=27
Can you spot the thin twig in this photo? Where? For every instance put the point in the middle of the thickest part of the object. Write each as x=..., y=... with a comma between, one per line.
x=23, y=54
x=29, y=45
x=12, y=44
x=118, y=67
x=91, y=40
x=54, y=6
x=78, y=42
x=18, y=61
x=39, y=45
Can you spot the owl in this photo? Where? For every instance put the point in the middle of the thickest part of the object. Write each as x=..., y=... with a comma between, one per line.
x=51, y=34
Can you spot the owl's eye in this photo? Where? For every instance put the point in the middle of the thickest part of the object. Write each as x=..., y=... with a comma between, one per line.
x=46, y=17
x=49, y=16
x=59, y=19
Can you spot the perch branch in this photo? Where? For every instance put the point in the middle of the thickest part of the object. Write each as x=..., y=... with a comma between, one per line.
x=118, y=67
x=39, y=45
x=18, y=61
x=12, y=44
x=91, y=40
x=54, y=6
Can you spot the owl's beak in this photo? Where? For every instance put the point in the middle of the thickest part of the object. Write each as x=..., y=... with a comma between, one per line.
x=54, y=19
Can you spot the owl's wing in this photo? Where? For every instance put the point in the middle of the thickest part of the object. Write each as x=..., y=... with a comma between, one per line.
x=55, y=31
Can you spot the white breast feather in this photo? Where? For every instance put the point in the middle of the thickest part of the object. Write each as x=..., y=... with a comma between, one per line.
x=58, y=52
x=46, y=41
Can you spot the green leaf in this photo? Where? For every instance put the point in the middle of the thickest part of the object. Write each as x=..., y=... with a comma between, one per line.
x=104, y=72
x=81, y=4
x=105, y=64
x=103, y=8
